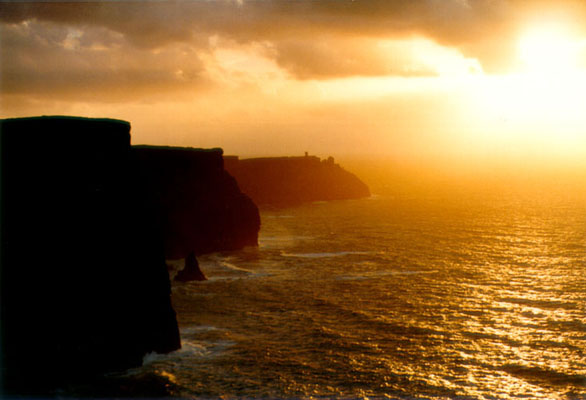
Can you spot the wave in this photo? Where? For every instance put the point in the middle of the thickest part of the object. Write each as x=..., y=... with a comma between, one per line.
x=188, y=349
x=198, y=329
x=323, y=255
x=219, y=262
x=544, y=376
x=223, y=267
x=285, y=238
x=210, y=265
x=380, y=274
x=233, y=267
x=544, y=304
x=280, y=241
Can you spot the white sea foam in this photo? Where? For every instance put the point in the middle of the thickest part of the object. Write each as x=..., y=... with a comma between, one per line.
x=233, y=267
x=190, y=347
x=202, y=349
x=190, y=330
x=218, y=262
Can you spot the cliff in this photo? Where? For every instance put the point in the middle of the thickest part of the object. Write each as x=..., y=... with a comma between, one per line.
x=84, y=285
x=294, y=180
x=200, y=205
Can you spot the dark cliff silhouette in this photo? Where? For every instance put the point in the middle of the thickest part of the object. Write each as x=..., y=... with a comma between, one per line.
x=294, y=180
x=85, y=288
x=200, y=205
x=86, y=224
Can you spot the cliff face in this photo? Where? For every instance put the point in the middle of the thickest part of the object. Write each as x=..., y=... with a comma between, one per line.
x=84, y=283
x=200, y=205
x=294, y=180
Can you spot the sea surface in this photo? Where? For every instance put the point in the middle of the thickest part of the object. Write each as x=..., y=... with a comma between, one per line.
x=478, y=296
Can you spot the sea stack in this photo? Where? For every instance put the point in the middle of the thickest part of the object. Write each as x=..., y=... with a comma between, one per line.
x=191, y=270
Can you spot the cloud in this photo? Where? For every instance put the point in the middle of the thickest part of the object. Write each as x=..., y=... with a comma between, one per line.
x=133, y=47
x=155, y=23
x=327, y=57
x=46, y=59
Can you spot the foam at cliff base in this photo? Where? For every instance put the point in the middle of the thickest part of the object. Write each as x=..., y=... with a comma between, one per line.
x=189, y=349
x=225, y=267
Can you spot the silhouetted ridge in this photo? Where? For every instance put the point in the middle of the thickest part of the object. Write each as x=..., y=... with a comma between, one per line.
x=200, y=205
x=294, y=180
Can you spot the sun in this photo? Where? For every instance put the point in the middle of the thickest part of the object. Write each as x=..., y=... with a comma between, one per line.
x=550, y=50
x=540, y=104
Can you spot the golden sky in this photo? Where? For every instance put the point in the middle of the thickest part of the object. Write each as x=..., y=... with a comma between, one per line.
x=462, y=80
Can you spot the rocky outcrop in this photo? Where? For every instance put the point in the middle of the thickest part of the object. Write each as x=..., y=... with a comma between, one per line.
x=294, y=180
x=84, y=286
x=191, y=270
x=201, y=207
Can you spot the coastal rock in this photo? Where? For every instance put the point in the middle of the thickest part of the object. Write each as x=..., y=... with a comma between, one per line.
x=191, y=270
x=84, y=286
x=200, y=205
x=287, y=181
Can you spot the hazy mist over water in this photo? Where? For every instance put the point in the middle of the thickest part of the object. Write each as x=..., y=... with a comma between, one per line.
x=420, y=294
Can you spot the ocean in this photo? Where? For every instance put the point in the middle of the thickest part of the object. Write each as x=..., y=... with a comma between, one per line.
x=435, y=296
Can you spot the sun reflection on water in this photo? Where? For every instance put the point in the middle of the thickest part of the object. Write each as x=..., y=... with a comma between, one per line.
x=442, y=302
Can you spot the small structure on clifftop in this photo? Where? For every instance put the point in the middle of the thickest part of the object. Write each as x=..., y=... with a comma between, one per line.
x=295, y=180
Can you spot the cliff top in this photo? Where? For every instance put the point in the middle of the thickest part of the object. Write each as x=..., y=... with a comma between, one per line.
x=66, y=119
x=179, y=149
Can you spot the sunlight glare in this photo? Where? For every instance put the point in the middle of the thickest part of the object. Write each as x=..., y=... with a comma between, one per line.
x=545, y=98
x=550, y=50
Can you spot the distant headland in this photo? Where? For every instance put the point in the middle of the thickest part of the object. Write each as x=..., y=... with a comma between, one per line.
x=286, y=181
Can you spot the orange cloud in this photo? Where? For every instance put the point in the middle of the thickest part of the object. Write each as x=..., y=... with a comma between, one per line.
x=137, y=44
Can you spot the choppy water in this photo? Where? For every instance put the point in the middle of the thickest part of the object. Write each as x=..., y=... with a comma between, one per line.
x=404, y=297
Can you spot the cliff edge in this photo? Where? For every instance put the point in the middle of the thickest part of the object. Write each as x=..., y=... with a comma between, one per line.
x=200, y=205
x=84, y=285
x=287, y=181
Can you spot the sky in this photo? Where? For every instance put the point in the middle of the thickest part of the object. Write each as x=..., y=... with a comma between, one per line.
x=444, y=81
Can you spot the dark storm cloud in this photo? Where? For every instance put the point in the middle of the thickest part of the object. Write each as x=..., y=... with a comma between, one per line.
x=154, y=23
x=118, y=41
x=48, y=59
